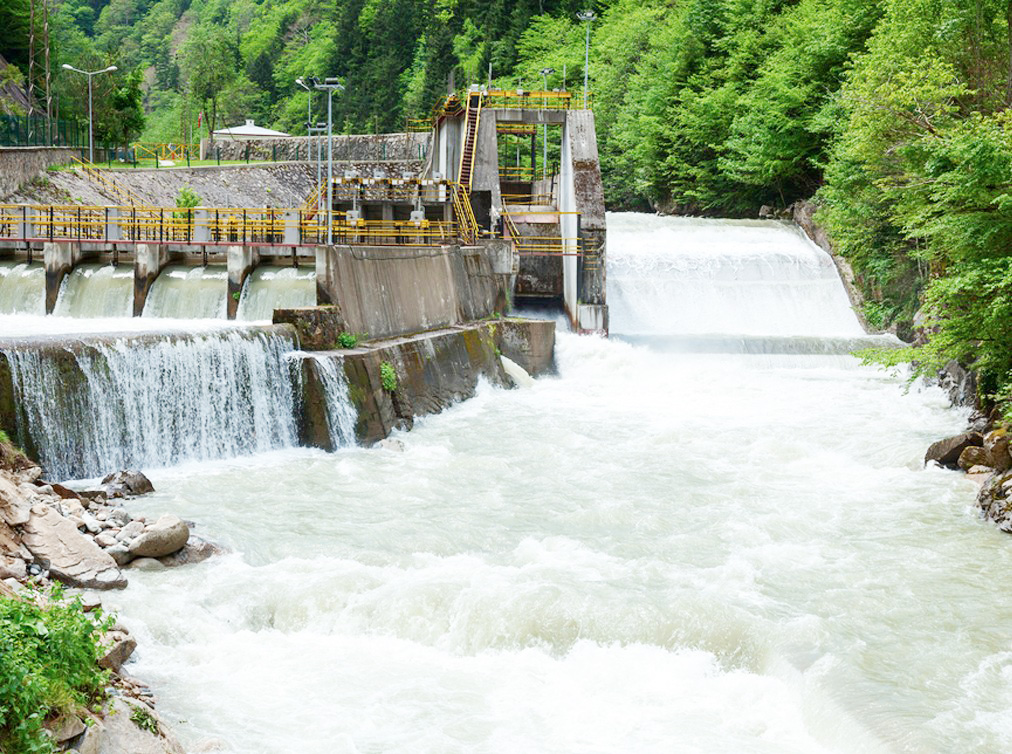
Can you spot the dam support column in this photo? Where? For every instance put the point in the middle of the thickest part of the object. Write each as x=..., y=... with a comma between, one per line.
x=149, y=260
x=241, y=261
x=581, y=191
x=60, y=258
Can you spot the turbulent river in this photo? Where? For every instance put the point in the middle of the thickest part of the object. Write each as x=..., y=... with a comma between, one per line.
x=710, y=533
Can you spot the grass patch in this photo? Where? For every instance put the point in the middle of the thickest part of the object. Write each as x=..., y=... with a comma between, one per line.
x=388, y=376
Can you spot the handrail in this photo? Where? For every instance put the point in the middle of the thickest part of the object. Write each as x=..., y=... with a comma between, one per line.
x=465, y=214
x=223, y=226
x=96, y=175
x=539, y=99
x=470, y=138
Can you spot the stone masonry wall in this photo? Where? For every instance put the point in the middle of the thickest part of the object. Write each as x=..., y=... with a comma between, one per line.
x=18, y=165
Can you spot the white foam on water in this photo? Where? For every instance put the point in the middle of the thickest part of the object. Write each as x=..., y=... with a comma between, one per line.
x=271, y=287
x=658, y=550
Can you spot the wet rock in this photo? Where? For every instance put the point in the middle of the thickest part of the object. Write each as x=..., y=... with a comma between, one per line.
x=960, y=384
x=973, y=455
x=129, y=482
x=168, y=534
x=996, y=442
x=69, y=556
x=90, y=603
x=120, y=554
x=130, y=532
x=64, y=492
x=118, y=517
x=391, y=443
x=946, y=452
x=197, y=550
x=146, y=564
x=124, y=729
x=120, y=647
x=96, y=494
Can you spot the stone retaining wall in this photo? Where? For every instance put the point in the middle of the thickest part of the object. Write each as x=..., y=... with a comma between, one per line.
x=404, y=147
x=18, y=165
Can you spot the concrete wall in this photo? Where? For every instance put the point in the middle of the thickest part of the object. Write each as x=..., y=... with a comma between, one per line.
x=405, y=147
x=384, y=291
x=434, y=371
x=19, y=165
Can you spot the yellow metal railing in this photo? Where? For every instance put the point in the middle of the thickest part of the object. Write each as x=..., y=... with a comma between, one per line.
x=418, y=125
x=514, y=99
x=516, y=173
x=103, y=181
x=464, y=213
x=528, y=199
x=260, y=226
x=167, y=151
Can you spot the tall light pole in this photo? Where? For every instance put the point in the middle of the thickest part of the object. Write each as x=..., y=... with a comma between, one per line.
x=330, y=86
x=588, y=17
x=89, y=74
x=544, y=102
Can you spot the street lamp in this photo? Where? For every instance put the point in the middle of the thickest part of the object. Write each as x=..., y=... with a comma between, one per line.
x=588, y=16
x=544, y=101
x=89, y=74
x=330, y=86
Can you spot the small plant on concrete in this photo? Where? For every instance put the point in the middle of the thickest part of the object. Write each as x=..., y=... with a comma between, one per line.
x=236, y=295
x=347, y=340
x=388, y=376
x=143, y=719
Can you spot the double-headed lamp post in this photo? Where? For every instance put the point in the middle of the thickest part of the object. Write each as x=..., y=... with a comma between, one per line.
x=588, y=17
x=545, y=72
x=89, y=74
x=330, y=86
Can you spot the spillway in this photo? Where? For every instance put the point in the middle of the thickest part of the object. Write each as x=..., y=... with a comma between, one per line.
x=703, y=549
x=270, y=287
x=22, y=288
x=97, y=291
x=189, y=292
x=94, y=404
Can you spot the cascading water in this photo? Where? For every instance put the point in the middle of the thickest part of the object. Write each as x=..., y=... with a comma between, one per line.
x=655, y=551
x=97, y=290
x=22, y=288
x=103, y=404
x=341, y=414
x=189, y=292
x=268, y=288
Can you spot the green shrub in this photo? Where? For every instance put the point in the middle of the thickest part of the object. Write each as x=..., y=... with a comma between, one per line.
x=144, y=719
x=187, y=198
x=347, y=340
x=388, y=376
x=48, y=667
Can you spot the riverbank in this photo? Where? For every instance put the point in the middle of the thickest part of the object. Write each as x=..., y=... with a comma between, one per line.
x=49, y=536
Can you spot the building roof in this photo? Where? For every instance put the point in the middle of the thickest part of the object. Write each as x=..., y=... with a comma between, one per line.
x=250, y=131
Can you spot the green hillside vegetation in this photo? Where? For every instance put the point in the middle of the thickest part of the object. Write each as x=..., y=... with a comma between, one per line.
x=892, y=115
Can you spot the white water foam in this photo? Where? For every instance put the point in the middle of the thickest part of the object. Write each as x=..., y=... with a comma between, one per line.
x=655, y=551
x=269, y=287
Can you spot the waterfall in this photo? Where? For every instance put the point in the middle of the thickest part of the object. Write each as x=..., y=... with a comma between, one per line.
x=182, y=292
x=97, y=290
x=22, y=288
x=727, y=286
x=268, y=288
x=341, y=414
x=95, y=405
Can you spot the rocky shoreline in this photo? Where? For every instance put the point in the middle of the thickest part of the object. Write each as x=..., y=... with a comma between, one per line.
x=86, y=540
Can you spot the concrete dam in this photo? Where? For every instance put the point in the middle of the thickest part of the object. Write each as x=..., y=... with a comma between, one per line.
x=400, y=266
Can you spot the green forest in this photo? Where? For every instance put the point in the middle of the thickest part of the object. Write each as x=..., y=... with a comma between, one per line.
x=892, y=116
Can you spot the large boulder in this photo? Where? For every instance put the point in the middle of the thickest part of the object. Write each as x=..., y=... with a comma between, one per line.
x=168, y=534
x=127, y=483
x=15, y=506
x=70, y=556
x=973, y=455
x=996, y=442
x=946, y=452
x=119, y=646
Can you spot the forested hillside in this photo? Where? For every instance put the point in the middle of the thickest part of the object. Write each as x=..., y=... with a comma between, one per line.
x=892, y=115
